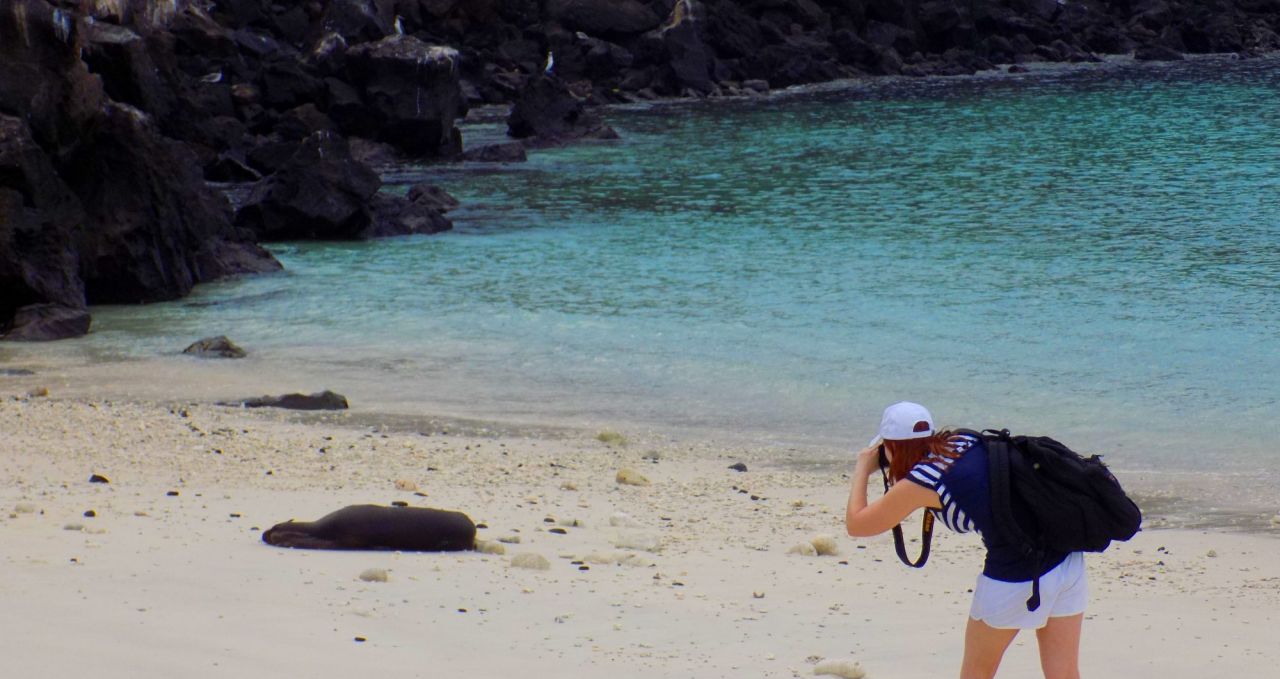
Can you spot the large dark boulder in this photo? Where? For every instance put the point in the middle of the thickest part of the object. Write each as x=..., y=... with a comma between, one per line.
x=320, y=192
x=546, y=112
x=44, y=322
x=679, y=45
x=153, y=229
x=38, y=215
x=411, y=96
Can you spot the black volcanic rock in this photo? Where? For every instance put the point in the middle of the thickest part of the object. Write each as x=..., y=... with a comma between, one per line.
x=325, y=400
x=43, y=322
x=215, y=347
x=320, y=192
x=546, y=112
x=411, y=96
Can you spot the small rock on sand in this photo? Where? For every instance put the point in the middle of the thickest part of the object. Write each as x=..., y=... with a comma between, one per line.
x=841, y=667
x=38, y=392
x=374, y=575
x=98, y=478
x=631, y=477
x=531, y=561
x=406, y=485
x=510, y=539
x=24, y=508
x=738, y=467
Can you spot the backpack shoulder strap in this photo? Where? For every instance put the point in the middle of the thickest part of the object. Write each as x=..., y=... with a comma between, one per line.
x=1000, y=451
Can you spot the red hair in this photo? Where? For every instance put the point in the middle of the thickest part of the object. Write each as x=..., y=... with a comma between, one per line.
x=907, y=453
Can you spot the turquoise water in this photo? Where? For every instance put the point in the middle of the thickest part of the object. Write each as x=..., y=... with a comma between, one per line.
x=1091, y=253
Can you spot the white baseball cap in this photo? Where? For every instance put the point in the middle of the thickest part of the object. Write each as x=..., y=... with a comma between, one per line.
x=904, y=420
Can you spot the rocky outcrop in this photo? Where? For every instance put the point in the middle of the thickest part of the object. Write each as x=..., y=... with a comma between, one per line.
x=411, y=96
x=547, y=113
x=96, y=204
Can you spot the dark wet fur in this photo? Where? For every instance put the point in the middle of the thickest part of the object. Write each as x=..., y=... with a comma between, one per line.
x=372, y=527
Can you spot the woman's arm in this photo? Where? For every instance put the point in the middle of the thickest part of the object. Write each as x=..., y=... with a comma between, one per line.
x=864, y=520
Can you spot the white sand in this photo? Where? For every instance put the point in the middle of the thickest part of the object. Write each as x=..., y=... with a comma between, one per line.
x=166, y=586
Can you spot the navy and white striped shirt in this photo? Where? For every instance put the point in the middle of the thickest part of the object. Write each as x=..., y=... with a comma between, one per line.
x=929, y=473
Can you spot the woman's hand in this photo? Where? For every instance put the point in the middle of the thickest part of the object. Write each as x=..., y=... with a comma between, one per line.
x=868, y=460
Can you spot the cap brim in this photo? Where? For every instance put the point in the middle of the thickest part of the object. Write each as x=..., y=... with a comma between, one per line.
x=875, y=441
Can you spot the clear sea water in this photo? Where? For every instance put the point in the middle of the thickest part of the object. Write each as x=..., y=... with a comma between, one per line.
x=1090, y=252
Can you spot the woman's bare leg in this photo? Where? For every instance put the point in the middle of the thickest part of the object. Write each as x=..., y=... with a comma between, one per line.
x=984, y=646
x=1060, y=647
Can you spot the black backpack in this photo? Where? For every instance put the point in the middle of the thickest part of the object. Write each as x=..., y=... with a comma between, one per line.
x=1044, y=498
x=1047, y=498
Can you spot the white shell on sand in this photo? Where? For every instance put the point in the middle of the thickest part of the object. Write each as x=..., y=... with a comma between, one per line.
x=840, y=667
x=406, y=485
x=803, y=549
x=532, y=561
x=374, y=575
x=825, y=545
x=631, y=477
x=487, y=547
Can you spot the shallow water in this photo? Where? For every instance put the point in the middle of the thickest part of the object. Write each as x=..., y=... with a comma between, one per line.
x=1093, y=253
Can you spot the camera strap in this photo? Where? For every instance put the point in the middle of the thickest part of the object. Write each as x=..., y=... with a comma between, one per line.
x=926, y=526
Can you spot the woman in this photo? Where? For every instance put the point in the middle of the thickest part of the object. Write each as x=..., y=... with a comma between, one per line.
x=947, y=475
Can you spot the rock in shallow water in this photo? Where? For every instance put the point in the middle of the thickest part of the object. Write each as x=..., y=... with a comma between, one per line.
x=215, y=347
x=325, y=400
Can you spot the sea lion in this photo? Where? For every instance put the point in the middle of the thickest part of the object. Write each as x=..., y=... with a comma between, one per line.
x=373, y=527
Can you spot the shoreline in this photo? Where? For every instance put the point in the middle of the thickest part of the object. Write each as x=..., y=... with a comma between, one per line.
x=173, y=554
x=1170, y=499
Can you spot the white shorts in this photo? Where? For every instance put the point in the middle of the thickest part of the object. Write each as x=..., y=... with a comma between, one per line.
x=1064, y=591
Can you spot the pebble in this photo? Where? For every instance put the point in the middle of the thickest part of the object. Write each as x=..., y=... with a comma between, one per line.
x=90, y=514
x=24, y=508
x=738, y=467
x=631, y=477
x=38, y=392
x=510, y=539
x=531, y=561
x=374, y=575
x=568, y=485
x=558, y=531
x=98, y=478
x=1213, y=553
x=406, y=485
x=842, y=667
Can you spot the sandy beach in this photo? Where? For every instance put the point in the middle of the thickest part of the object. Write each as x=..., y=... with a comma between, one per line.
x=689, y=576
